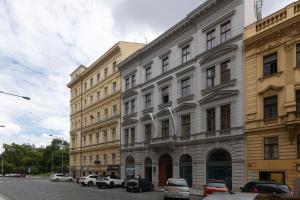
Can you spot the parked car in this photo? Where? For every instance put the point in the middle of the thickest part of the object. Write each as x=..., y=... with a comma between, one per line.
x=60, y=177
x=176, y=189
x=248, y=196
x=110, y=182
x=266, y=187
x=214, y=186
x=89, y=180
x=139, y=185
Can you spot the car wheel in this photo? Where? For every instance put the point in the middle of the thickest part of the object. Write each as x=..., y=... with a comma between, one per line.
x=127, y=190
x=140, y=189
x=123, y=185
x=56, y=180
x=111, y=185
x=70, y=180
x=90, y=183
x=152, y=188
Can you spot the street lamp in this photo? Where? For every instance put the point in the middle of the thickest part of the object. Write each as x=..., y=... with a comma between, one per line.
x=62, y=153
x=26, y=98
x=2, y=126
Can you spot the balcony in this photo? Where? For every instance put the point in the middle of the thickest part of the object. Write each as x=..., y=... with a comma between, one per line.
x=163, y=142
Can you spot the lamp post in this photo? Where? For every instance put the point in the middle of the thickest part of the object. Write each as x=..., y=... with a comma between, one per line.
x=62, y=153
x=2, y=164
x=26, y=98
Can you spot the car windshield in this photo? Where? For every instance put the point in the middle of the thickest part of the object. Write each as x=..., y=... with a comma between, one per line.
x=177, y=183
x=217, y=185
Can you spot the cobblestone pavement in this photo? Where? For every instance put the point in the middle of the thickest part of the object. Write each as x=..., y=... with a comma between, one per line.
x=43, y=189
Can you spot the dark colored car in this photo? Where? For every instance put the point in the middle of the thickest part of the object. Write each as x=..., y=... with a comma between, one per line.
x=139, y=185
x=266, y=187
x=248, y=196
x=214, y=186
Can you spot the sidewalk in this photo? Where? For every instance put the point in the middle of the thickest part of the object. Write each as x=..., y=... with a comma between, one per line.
x=193, y=191
x=2, y=197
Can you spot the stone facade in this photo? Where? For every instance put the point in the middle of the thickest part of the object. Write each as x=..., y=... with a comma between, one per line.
x=182, y=100
x=95, y=114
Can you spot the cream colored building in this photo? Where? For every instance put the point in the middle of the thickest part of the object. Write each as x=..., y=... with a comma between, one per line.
x=95, y=113
x=272, y=97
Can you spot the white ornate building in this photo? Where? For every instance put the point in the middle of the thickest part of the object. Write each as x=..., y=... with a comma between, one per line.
x=182, y=99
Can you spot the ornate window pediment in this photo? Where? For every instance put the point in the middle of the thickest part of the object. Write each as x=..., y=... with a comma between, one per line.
x=218, y=95
x=270, y=91
x=163, y=112
x=218, y=53
x=128, y=94
x=129, y=122
x=185, y=106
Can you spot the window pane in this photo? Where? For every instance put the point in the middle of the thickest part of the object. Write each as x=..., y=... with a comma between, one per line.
x=298, y=55
x=270, y=107
x=270, y=64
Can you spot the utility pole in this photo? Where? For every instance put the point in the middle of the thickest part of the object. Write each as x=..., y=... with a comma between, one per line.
x=52, y=161
x=2, y=165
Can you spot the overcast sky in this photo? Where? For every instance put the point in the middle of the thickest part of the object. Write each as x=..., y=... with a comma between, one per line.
x=42, y=42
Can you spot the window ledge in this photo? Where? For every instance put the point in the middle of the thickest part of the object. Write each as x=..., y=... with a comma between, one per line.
x=220, y=86
x=148, y=110
x=164, y=105
x=278, y=74
x=130, y=115
x=186, y=98
x=271, y=120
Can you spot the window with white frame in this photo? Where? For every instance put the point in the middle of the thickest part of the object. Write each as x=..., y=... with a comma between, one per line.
x=148, y=101
x=211, y=39
x=210, y=77
x=185, y=87
x=186, y=56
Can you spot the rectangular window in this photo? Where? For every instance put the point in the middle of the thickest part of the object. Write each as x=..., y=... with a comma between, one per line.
x=225, y=71
x=271, y=148
x=113, y=158
x=91, y=82
x=84, y=141
x=115, y=66
x=165, y=64
x=148, y=73
x=98, y=116
x=127, y=84
x=85, y=86
x=185, y=87
x=298, y=146
x=105, y=136
x=165, y=95
x=270, y=64
x=106, y=113
x=298, y=55
x=147, y=133
x=148, y=101
x=165, y=129
x=114, y=86
x=126, y=108
x=225, y=31
x=210, y=77
x=113, y=134
x=114, y=110
x=132, y=136
x=133, y=81
x=211, y=39
x=98, y=77
x=132, y=106
x=105, y=158
x=185, y=125
x=91, y=138
x=186, y=54
x=97, y=138
x=298, y=102
x=97, y=157
x=277, y=177
x=105, y=72
x=91, y=119
x=84, y=159
x=225, y=117
x=98, y=95
x=105, y=91
x=126, y=136
x=91, y=98
x=91, y=159
x=270, y=107
x=211, y=119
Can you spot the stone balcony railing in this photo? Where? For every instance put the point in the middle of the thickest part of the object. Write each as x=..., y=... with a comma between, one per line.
x=102, y=145
x=276, y=18
x=171, y=140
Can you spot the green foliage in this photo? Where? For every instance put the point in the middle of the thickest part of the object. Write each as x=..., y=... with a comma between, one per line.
x=18, y=158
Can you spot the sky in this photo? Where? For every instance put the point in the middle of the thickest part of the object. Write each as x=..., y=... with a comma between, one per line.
x=42, y=42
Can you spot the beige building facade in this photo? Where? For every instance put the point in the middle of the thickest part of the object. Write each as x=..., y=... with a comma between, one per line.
x=95, y=114
x=272, y=97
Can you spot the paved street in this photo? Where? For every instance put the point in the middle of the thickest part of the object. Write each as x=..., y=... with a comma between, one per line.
x=36, y=189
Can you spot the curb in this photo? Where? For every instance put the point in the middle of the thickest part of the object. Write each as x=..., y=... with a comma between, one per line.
x=2, y=197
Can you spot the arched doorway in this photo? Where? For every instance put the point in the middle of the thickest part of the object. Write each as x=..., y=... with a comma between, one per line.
x=186, y=169
x=219, y=166
x=165, y=169
x=148, y=169
x=129, y=167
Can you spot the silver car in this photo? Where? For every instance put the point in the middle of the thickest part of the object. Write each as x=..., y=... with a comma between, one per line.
x=60, y=177
x=177, y=189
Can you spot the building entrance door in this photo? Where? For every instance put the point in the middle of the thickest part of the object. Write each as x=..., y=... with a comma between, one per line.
x=148, y=169
x=165, y=169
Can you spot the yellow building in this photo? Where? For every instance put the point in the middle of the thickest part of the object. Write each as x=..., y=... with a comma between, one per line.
x=95, y=113
x=272, y=97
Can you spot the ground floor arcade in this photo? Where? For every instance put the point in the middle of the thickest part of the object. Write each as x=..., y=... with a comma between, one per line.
x=195, y=162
